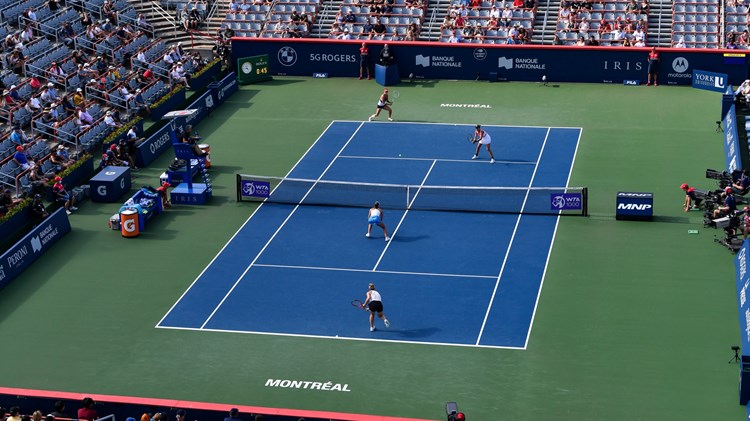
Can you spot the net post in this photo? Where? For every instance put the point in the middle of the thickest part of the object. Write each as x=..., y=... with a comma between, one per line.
x=238, y=188
x=585, y=196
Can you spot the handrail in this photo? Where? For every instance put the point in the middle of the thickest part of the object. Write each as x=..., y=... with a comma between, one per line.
x=722, y=26
x=156, y=8
x=544, y=22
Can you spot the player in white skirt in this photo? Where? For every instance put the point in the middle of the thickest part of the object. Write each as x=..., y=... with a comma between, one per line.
x=484, y=139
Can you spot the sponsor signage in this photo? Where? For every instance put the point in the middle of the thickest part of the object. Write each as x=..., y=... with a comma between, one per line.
x=110, y=184
x=743, y=309
x=631, y=82
x=155, y=145
x=710, y=81
x=253, y=69
x=22, y=254
x=319, y=75
x=466, y=61
x=224, y=88
x=635, y=206
x=731, y=140
x=253, y=188
x=566, y=201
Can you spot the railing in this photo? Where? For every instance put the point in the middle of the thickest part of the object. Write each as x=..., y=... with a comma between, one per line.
x=544, y=23
x=156, y=8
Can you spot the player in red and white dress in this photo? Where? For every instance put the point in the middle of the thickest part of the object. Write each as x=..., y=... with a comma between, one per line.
x=481, y=137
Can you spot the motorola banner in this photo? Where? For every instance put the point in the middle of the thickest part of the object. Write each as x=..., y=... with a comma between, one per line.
x=423, y=60
x=32, y=246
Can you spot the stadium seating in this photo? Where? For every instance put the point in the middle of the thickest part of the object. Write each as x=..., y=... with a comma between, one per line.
x=697, y=23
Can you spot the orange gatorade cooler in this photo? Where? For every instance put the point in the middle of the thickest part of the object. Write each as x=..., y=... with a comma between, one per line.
x=207, y=149
x=129, y=223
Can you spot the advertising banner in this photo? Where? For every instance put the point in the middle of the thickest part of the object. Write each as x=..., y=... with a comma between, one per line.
x=427, y=60
x=14, y=261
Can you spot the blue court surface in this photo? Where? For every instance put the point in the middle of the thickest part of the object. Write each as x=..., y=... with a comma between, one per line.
x=446, y=277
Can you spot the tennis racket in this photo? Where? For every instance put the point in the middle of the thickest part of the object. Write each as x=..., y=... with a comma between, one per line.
x=359, y=304
x=394, y=95
x=471, y=138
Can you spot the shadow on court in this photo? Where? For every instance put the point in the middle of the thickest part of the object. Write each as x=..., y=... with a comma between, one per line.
x=416, y=333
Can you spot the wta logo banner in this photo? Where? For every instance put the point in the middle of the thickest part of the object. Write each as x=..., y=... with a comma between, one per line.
x=254, y=188
x=710, y=81
x=566, y=201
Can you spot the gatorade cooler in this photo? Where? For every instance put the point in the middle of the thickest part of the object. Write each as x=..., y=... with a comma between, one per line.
x=207, y=149
x=129, y=223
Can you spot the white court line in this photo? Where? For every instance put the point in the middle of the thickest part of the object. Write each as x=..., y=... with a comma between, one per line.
x=280, y=227
x=551, y=244
x=452, y=124
x=296, y=335
x=240, y=228
x=512, y=237
x=471, y=161
x=393, y=234
x=392, y=272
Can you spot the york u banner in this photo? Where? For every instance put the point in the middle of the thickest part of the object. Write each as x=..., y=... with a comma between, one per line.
x=428, y=60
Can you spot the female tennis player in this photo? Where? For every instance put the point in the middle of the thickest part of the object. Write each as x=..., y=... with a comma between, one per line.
x=375, y=303
x=484, y=139
x=383, y=104
x=375, y=217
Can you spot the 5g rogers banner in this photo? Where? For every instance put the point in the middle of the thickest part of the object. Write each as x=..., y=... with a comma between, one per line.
x=432, y=60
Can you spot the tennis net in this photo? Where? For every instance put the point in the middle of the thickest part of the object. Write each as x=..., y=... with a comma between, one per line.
x=513, y=200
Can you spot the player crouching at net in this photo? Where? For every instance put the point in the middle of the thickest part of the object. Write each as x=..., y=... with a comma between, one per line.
x=484, y=139
x=383, y=104
x=375, y=217
x=374, y=303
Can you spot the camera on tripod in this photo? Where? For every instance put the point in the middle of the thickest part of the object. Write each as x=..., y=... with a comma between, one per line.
x=723, y=177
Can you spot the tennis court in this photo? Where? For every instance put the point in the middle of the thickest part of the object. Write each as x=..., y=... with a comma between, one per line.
x=447, y=277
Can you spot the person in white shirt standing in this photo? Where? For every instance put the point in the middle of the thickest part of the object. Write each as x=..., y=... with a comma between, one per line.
x=374, y=303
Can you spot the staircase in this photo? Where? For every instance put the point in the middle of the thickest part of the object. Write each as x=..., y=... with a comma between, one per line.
x=660, y=24
x=545, y=22
x=167, y=26
x=433, y=18
x=324, y=19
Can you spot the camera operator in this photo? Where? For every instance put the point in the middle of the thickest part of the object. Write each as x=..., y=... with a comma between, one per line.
x=692, y=201
x=742, y=184
x=386, y=56
x=729, y=207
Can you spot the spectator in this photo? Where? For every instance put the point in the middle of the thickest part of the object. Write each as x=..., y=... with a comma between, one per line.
x=57, y=72
x=234, y=415
x=39, y=212
x=518, y=4
x=345, y=35
x=68, y=201
x=455, y=37
x=78, y=98
x=379, y=29
x=61, y=158
x=22, y=159
x=7, y=202
x=179, y=77
x=181, y=415
x=109, y=120
x=18, y=137
x=583, y=27
x=448, y=23
x=412, y=32
x=141, y=23
x=507, y=16
x=644, y=8
x=529, y=6
x=39, y=183
x=86, y=118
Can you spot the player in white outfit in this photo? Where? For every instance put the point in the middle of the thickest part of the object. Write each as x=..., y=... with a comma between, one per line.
x=375, y=304
x=483, y=138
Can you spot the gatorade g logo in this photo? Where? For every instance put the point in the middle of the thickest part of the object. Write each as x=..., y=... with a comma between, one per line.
x=102, y=190
x=122, y=183
x=129, y=226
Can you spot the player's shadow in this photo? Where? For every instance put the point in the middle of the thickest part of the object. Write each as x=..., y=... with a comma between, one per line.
x=416, y=333
x=409, y=238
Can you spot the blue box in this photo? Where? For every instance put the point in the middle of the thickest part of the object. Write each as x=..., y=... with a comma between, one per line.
x=635, y=206
x=387, y=75
x=110, y=184
x=184, y=195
